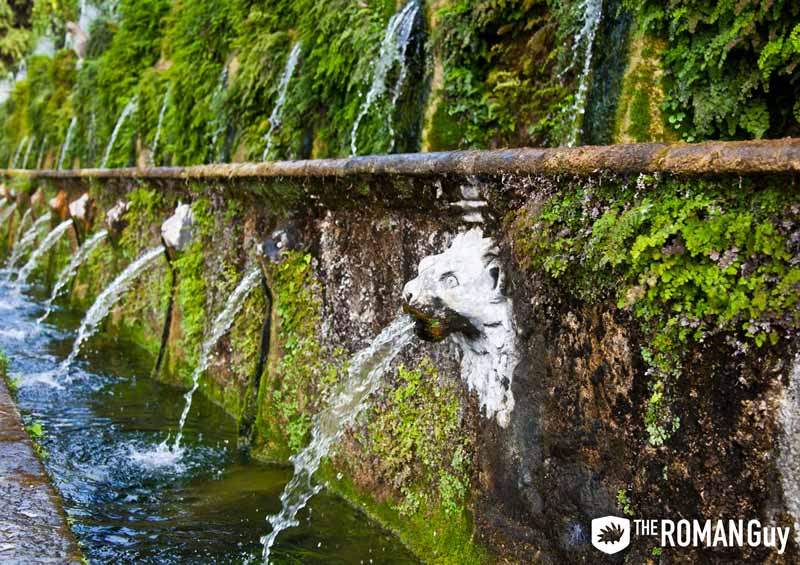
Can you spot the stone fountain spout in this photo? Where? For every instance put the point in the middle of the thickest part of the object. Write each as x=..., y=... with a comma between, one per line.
x=278, y=244
x=82, y=213
x=460, y=294
x=115, y=218
x=59, y=205
x=177, y=231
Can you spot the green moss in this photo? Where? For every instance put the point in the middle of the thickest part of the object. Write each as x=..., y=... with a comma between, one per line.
x=729, y=65
x=299, y=369
x=192, y=282
x=639, y=113
x=689, y=259
x=507, y=75
x=416, y=441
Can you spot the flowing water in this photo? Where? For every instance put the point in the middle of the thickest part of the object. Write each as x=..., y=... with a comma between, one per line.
x=363, y=379
x=161, y=114
x=222, y=323
x=46, y=245
x=18, y=152
x=40, y=158
x=209, y=510
x=67, y=142
x=276, y=117
x=217, y=104
x=592, y=15
x=26, y=217
x=129, y=108
x=106, y=301
x=28, y=153
x=6, y=214
x=24, y=244
x=69, y=272
x=393, y=52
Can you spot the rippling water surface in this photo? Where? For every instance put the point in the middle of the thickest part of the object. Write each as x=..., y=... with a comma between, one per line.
x=102, y=430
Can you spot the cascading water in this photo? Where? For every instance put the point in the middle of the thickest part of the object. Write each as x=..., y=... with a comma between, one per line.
x=393, y=52
x=26, y=217
x=67, y=142
x=40, y=158
x=221, y=325
x=216, y=101
x=276, y=117
x=129, y=108
x=70, y=270
x=592, y=15
x=46, y=245
x=161, y=114
x=107, y=299
x=26, y=242
x=6, y=214
x=363, y=379
x=18, y=152
x=31, y=143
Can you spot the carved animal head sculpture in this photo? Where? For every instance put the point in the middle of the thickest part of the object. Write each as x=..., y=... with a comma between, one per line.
x=278, y=244
x=177, y=230
x=59, y=205
x=459, y=293
x=82, y=210
x=115, y=217
x=458, y=290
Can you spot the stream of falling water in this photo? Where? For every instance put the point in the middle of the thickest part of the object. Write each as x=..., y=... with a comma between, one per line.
x=363, y=379
x=107, y=299
x=28, y=153
x=23, y=244
x=40, y=158
x=592, y=14
x=70, y=270
x=221, y=325
x=129, y=108
x=46, y=245
x=161, y=114
x=276, y=117
x=7, y=212
x=393, y=52
x=26, y=217
x=219, y=122
x=20, y=145
x=67, y=142
x=165, y=455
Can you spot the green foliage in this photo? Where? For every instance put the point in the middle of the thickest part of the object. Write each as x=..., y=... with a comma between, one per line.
x=624, y=502
x=192, y=276
x=36, y=430
x=689, y=259
x=503, y=64
x=416, y=434
x=731, y=66
x=145, y=206
x=299, y=374
x=38, y=110
x=15, y=33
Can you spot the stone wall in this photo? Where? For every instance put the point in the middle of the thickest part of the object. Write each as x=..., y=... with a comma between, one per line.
x=592, y=432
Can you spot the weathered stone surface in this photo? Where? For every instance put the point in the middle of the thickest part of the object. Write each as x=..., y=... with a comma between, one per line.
x=177, y=229
x=714, y=157
x=33, y=527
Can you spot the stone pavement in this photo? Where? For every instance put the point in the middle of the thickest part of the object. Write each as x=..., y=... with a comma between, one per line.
x=33, y=527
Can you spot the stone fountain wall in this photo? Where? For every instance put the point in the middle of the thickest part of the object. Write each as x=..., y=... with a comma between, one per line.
x=593, y=431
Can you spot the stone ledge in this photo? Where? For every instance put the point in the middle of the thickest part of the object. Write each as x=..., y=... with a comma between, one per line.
x=713, y=157
x=33, y=528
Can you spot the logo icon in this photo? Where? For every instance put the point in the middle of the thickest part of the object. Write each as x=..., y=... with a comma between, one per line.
x=611, y=534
